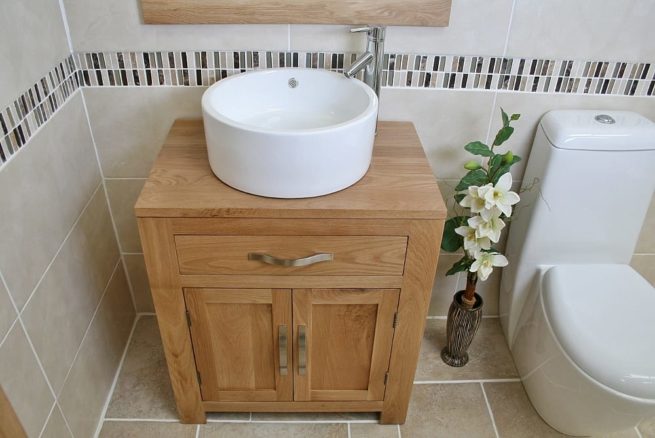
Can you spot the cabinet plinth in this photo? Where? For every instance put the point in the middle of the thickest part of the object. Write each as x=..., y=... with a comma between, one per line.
x=303, y=305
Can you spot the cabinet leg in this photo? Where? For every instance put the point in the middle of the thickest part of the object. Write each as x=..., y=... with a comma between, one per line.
x=393, y=415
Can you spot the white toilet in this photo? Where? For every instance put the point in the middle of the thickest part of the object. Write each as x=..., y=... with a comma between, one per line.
x=579, y=320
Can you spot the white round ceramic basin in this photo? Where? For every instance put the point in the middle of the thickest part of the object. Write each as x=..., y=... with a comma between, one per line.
x=289, y=133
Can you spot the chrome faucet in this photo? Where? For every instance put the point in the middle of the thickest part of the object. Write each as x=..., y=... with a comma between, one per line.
x=371, y=60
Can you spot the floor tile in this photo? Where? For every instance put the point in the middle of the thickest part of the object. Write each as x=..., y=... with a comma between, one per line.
x=315, y=416
x=143, y=389
x=145, y=429
x=647, y=428
x=358, y=430
x=516, y=418
x=448, y=410
x=273, y=430
x=489, y=355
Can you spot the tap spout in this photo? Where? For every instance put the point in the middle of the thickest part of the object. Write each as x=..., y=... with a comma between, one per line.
x=359, y=64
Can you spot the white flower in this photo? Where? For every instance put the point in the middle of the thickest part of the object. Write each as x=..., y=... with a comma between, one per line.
x=475, y=198
x=472, y=244
x=500, y=196
x=490, y=227
x=484, y=263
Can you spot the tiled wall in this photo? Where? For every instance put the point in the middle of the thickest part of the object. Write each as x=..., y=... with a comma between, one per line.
x=65, y=304
x=528, y=56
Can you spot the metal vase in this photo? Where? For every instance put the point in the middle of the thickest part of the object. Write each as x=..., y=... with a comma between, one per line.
x=462, y=325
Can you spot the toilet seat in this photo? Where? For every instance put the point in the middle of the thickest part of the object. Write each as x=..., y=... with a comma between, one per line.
x=603, y=316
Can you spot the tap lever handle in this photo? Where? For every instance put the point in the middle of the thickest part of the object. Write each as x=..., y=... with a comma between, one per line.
x=360, y=29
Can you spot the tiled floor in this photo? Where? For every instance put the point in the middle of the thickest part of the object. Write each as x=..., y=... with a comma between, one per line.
x=483, y=399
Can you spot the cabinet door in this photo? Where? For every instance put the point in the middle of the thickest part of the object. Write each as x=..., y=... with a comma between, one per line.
x=240, y=343
x=342, y=343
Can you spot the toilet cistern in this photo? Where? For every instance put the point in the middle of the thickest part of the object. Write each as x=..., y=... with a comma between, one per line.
x=371, y=60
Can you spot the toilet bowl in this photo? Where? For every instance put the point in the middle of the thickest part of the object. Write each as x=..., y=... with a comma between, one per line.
x=584, y=348
x=579, y=321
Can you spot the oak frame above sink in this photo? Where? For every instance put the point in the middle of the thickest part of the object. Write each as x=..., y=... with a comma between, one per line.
x=381, y=12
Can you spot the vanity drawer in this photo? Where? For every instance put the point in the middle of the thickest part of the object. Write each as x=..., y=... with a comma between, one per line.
x=290, y=255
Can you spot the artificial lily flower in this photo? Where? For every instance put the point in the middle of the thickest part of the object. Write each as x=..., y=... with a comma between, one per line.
x=475, y=198
x=484, y=263
x=501, y=196
x=472, y=244
x=490, y=228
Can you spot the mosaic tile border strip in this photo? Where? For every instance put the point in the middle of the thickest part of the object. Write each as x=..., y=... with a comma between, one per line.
x=202, y=68
x=32, y=109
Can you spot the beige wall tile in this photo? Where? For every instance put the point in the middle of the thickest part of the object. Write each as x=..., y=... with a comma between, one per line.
x=123, y=194
x=117, y=25
x=26, y=58
x=533, y=106
x=51, y=179
x=645, y=265
x=87, y=386
x=272, y=430
x=136, y=269
x=646, y=242
x=143, y=388
x=444, y=286
x=445, y=120
x=584, y=29
x=56, y=427
x=489, y=356
x=7, y=311
x=477, y=27
x=447, y=411
x=364, y=430
x=144, y=116
x=61, y=309
x=136, y=429
x=328, y=38
x=23, y=382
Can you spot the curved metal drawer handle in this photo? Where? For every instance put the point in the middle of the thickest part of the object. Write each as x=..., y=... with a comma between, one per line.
x=304, y=261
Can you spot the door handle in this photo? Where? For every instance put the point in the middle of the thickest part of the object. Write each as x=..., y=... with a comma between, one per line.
x=303, y=261
x=302, y=350
x=282, y=349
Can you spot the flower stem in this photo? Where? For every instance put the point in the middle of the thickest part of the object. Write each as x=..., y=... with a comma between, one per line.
x=469, y=294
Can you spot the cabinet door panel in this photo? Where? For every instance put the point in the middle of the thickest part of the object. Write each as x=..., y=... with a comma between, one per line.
x=236, y=338
x=348, y=337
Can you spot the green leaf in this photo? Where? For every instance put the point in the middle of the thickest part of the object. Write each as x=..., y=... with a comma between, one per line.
x=459, y=197
x=515, y=117
x=502, y=170
x=478, y=148
x=495, y=162
x=473, y=178
x=505, y=117
x=462, y=264
x=452, y=241
x=504, y=134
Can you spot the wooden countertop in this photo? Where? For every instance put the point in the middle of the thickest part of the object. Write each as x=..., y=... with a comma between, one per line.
x=399, y=184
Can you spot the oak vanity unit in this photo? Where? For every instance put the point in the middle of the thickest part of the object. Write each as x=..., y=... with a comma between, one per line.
x=274, y=305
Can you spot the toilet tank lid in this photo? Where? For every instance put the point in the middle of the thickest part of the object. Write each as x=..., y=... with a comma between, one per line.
x=599, y=130
x=602, y=316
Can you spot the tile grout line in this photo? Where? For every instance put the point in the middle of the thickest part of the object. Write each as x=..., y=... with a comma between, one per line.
x=197, y=430
x=638, y=432
x=88, y=328
x=491, y=414
x=103, y=414
x=349, y=436
x=400, y=435
x=59, y=249
x=111, y=213
x=451, y=382
x=47, y=418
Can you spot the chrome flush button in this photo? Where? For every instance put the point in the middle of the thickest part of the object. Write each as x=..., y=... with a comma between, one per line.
x=293, y=83
x=604, y=118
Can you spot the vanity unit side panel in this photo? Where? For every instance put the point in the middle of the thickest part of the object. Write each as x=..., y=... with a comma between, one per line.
x=161, y=264
x=420, y=269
